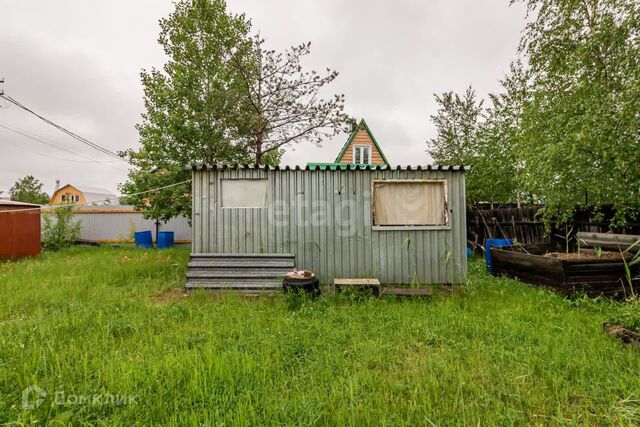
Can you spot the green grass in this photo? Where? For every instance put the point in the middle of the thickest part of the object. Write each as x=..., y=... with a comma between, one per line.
x=97, y=321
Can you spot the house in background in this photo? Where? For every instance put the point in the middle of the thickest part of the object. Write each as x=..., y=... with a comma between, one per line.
x=105, y=220
x=73, y=194
x=361, y=148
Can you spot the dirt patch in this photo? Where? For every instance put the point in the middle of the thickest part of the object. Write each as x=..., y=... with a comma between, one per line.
x=583, y=255
x=625, y=335
x=170, y=295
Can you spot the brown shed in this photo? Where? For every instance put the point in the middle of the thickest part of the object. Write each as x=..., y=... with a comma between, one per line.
x=19, y=229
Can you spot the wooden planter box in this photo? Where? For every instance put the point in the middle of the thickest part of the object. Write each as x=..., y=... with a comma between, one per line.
x=569, y=277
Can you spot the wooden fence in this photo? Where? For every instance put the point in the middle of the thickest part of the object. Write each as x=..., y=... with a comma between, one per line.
x=525, y=225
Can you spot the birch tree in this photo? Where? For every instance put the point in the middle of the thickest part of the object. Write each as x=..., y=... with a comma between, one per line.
x=580, y=131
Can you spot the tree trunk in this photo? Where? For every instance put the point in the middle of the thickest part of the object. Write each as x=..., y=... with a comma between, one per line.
x=258, y=154
x=258, y=145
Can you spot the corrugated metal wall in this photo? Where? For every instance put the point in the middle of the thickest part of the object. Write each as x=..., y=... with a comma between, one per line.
x=19, y=232
x=324, y=219
x=116, y=223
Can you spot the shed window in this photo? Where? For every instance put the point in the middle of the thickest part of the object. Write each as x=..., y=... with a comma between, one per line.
x=244, y=193
x=410, y=203
x=361, y=154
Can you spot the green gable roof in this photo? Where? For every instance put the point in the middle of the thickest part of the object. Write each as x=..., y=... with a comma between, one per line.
x=361, y=125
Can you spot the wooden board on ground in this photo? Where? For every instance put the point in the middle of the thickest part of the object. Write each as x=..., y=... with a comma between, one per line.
x=406, y=292
x=615, y=242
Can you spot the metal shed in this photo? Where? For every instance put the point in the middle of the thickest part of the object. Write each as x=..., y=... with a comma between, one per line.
x=19, y=229
x=330, y=219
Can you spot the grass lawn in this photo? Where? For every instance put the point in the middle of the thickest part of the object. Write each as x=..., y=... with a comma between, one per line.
x=106, y=333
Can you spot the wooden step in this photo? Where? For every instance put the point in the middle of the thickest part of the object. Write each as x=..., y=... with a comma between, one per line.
x=244, y=292
x=241, y=256
x=234, y=284
x=239, y=273
x=246, y=273
x=287, y=263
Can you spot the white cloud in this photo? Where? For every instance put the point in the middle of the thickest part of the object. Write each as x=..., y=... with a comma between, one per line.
x=78, y=63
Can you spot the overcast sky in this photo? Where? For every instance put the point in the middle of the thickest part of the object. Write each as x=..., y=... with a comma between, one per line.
x=77, y=62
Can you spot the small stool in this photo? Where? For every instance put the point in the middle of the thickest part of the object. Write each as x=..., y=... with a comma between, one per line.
x=362, y=284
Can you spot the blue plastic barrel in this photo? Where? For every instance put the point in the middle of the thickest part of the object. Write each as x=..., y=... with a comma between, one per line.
x=144, y=239
x=165, y=239
x=495, y=243
x=469, y=252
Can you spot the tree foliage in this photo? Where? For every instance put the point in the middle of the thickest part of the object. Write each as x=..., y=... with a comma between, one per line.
x=191, y=106
x=470, y=134
x=283, y=100
x=565, y=128
x=457, y=122
x=497, y=166
x=580, y=134
x=220, y=98
x=29, y=190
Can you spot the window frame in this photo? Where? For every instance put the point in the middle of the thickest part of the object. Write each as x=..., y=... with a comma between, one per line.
x=266, y=196
x=361, y=146
x=447, y=211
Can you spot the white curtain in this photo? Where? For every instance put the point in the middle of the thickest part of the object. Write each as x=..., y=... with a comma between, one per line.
x=244, y=193
x=409, y=203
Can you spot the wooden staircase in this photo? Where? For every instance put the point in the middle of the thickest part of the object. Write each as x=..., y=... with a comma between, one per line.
x=245, y=273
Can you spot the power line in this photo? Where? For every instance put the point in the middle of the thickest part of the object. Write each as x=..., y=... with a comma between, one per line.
x=49, y=156
x=42, y=140
x=103, y=200
x=68, y=132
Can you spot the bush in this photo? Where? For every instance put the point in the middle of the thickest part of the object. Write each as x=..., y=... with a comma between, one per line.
x=628, y=316
x=59, y=229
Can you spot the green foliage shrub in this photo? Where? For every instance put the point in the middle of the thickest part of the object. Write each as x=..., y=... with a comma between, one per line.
x=628, y=316
x=59, y=229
